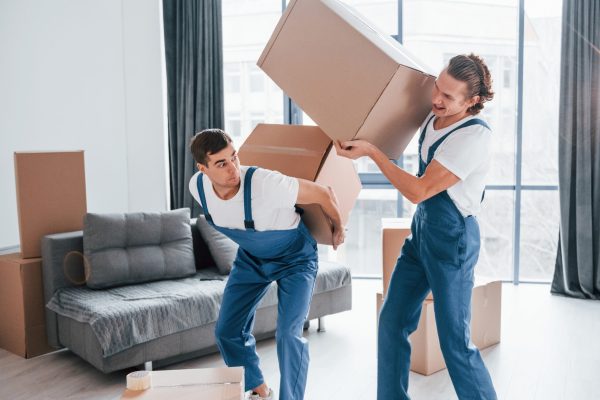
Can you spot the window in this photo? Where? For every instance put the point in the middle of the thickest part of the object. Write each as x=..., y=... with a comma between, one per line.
x=435, y=31
x=250, y=95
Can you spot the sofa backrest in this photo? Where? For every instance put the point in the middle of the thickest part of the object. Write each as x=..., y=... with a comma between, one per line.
x=129, y=248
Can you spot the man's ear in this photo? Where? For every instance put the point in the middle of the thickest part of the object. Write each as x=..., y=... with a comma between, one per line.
x=201, y=167
x=474, y=100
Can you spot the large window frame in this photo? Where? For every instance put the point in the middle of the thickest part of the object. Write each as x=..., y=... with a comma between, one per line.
x=293, y=115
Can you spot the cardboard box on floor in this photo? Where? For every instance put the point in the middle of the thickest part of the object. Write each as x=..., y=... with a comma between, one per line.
x=352, y=79
x=305, y=152
x=23, y=323
x=394, y=232
x=205, y=383
x=51, y=196
x=426, y=356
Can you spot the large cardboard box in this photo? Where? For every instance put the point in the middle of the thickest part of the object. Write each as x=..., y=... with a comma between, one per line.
x=23, y=323
x=50, y=196
x=352, y=79
x=426, y=356
x=205, y=383
x=305, y=152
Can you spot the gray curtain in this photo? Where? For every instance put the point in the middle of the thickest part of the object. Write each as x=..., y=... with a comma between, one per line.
x=194, y=61
x=577, y=272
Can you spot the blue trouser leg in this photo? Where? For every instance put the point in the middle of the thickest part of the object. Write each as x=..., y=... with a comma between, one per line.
x=245, y=287
x=398, y=319
x=294, y=295
x=452, y=287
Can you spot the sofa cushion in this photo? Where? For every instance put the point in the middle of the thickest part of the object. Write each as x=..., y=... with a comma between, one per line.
x=222, y=249
x=121, y=249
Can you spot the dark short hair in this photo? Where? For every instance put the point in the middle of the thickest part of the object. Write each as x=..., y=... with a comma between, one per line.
x=472, y=70
x=207, y=142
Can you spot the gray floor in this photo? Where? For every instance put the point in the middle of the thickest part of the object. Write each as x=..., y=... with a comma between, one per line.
x=550, y=350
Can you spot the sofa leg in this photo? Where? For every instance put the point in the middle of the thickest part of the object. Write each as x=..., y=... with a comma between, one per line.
x=148, y=366
x=321, y=327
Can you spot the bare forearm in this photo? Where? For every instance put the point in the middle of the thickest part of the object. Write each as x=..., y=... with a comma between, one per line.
x=314, y=193
x=409, y=185
x=330, y=207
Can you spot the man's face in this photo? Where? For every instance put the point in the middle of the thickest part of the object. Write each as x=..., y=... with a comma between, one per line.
x=448, y=97
x=223, y=167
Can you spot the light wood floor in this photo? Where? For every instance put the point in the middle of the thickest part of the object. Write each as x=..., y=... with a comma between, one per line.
x=550, y=349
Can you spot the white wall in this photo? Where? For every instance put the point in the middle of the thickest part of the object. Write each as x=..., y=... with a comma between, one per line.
x=85, y=74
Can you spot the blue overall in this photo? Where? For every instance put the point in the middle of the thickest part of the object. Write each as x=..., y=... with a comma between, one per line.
x=439, y=255
x=288, y=257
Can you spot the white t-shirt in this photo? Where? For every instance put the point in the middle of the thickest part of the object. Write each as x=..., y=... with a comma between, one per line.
x=465, y=153
x=273, y=198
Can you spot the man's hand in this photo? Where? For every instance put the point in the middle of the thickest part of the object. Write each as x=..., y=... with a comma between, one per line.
x=314, y=193
x=353, y=149
x=339, y=235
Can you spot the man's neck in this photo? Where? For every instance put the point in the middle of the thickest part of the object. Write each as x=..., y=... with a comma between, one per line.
x=224, y=192
x=444, y=122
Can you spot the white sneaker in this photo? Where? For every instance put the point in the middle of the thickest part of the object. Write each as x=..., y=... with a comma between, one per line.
x=256, y=396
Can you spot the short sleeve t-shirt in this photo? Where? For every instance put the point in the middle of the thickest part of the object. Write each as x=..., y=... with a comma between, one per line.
x=465, y=153
x=273, y=197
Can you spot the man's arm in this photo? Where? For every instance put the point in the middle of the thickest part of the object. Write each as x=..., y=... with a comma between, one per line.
x=313, y=193
x=436, y=178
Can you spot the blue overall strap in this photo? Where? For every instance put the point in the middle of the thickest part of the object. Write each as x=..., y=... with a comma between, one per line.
x=248, y=221
x=200, y=184
x=433, y=148
x=471, y=122
x=422, y=137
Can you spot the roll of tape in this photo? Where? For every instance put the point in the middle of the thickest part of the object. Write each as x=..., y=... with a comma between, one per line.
x=139, y=380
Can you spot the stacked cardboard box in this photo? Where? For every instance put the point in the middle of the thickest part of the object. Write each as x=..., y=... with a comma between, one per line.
x=51, y=198
x=426, y=356
x=394, y=232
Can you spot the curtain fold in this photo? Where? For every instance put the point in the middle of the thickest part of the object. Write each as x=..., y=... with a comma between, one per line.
x=577, y=272
x=194, y=64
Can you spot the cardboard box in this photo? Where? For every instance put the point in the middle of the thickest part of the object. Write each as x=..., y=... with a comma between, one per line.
x=352, y=79
x=206, y=383
x=426, y=356
x=23, y=323
x=50, y=196
x=394, y=232
x=305, y=152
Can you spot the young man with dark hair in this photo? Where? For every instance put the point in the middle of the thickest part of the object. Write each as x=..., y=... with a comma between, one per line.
x=255, y=208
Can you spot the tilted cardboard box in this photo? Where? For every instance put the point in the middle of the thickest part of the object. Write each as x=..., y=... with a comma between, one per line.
x=353, y=80
x=305, y=152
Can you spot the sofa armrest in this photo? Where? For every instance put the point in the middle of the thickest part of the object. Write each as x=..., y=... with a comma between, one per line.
x=59, y=251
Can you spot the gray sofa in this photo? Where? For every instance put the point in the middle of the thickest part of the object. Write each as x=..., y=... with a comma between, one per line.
x=98, y=323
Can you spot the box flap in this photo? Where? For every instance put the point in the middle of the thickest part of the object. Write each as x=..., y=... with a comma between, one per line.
x=295, y=150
